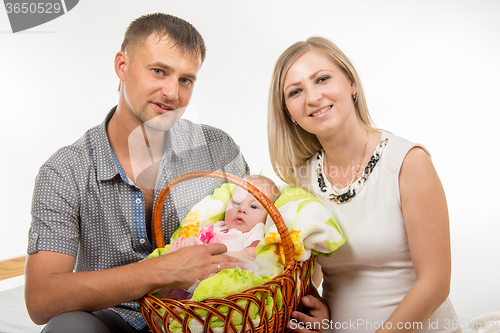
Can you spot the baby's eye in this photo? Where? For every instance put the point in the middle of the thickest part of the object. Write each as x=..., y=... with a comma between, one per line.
x=236, y=203
x=254, y=207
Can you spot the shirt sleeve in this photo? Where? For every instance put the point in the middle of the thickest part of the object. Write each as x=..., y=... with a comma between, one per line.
x=54, y=212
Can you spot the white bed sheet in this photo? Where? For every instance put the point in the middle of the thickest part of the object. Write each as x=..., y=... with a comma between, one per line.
x=14, y=317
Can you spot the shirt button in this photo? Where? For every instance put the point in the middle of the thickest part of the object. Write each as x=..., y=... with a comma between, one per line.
x=142, y=241
x=137, y=201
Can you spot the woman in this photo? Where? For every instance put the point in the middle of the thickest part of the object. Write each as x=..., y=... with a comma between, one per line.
x=394, y=270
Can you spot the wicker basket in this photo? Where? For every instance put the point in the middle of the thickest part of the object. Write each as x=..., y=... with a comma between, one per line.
x=293, y=283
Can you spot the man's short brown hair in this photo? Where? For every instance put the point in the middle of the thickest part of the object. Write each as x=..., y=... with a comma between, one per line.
x=179, y=31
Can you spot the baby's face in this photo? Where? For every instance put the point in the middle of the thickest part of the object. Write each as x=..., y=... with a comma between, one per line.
x=243, y=211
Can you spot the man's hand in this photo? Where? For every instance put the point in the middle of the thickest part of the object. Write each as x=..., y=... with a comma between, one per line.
x=186, y=265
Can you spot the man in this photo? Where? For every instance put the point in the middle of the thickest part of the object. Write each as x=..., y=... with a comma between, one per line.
x=93, y=200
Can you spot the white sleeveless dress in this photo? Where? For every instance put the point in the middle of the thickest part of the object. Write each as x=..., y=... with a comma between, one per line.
x=367, y=277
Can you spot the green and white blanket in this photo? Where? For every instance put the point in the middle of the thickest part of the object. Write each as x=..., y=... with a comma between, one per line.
x=312, y=228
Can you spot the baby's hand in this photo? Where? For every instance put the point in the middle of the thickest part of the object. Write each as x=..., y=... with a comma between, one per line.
x=186, y=242
x=167, y=293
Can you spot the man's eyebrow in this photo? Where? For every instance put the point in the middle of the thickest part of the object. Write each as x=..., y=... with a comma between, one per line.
x=190, y=76
x=161, y=65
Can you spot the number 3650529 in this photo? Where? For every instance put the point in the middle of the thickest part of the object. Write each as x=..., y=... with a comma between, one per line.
x=40, y=7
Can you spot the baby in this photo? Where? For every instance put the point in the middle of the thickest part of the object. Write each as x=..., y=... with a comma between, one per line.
x=243, y=225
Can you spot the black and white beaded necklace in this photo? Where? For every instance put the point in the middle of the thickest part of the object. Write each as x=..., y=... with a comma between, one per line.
x=355, y=187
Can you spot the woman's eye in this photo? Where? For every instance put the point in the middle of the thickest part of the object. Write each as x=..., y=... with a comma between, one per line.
x=294, y=92
x=323, y=78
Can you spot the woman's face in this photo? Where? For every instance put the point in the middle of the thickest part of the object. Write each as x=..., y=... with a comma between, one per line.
x=318, y=94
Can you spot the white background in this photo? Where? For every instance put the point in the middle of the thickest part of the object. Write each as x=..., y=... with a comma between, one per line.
x=430, y=70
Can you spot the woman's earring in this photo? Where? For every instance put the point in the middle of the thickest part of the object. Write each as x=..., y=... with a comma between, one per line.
x=293, y=121
x=355, y=96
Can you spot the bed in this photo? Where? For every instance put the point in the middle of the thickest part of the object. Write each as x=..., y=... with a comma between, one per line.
x=14, y=317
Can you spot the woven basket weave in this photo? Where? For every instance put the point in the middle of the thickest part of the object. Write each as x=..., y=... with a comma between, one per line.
x=293, y=282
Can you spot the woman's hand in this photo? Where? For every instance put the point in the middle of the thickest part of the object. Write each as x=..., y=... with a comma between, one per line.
x=315, y=320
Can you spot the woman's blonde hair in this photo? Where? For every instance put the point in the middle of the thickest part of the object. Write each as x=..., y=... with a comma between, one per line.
x=290, y=146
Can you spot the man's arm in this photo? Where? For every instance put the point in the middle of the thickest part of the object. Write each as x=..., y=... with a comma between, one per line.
x=52, y=288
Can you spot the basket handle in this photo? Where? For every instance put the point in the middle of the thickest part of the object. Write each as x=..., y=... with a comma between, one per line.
x=268, y=205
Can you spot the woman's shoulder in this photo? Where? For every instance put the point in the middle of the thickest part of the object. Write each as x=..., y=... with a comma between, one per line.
x=396, y=150
x=398, y=142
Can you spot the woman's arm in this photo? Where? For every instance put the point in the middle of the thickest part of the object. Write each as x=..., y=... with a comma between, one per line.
x=426, y=219
x=317, y=277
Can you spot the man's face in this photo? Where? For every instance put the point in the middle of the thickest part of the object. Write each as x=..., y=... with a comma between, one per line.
x=158, y=82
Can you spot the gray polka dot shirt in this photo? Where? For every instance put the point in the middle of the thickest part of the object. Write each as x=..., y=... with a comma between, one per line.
x=84, y=204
